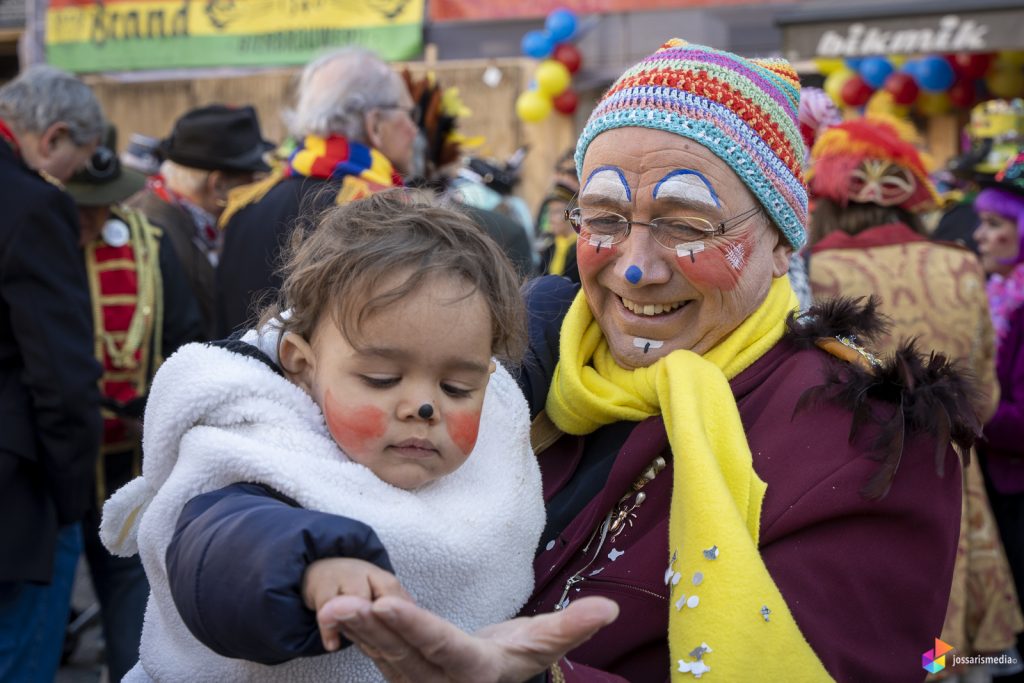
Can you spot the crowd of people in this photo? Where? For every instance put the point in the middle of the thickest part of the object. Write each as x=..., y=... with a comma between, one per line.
x=728, y=409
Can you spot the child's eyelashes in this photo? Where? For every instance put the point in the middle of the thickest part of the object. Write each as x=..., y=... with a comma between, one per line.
x=456, y=392
x=379, y=382
x=387, y=382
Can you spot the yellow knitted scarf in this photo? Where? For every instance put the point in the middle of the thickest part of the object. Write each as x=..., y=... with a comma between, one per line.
x=733, y=608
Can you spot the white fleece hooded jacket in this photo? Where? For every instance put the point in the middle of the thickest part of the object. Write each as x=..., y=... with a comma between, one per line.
x=462, y=546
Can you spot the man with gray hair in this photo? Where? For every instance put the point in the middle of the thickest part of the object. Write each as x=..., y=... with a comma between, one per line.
x=50, y=122
x=353, y=127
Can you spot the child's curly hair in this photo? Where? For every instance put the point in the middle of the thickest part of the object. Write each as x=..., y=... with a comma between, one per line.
x=340, y=266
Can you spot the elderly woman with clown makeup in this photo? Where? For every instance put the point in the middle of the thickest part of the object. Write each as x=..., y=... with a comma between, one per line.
x=759, y=496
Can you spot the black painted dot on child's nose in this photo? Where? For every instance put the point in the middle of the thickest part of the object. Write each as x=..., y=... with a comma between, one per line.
x=426, y=411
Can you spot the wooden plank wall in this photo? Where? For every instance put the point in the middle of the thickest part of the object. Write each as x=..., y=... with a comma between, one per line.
x=152, y=107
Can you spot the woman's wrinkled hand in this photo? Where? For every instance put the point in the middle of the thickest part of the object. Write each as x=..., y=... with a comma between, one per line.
x=408, y=643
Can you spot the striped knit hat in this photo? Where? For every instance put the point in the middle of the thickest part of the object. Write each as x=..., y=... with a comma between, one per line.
x=743, y=110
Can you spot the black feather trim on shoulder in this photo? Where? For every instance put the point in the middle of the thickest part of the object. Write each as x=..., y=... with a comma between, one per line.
x=839, y=317
x=904, y=394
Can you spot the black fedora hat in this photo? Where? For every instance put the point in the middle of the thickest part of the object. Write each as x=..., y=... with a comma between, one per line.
x=217, y=138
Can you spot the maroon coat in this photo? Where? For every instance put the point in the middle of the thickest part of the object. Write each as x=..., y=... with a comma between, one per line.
x=867, y=581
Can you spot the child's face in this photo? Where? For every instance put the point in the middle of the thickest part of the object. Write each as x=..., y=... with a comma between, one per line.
x=431, y=348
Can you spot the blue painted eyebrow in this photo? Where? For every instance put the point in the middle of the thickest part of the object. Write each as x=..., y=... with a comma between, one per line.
x=618, y=171
x=686, y=171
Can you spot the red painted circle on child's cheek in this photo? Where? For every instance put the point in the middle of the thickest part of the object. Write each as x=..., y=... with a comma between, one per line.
x=718, y=267
x=353, y=428
x=463, y=428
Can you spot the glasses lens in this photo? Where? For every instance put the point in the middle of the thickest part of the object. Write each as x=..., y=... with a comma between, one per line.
x=673, y=231
x=604, y=224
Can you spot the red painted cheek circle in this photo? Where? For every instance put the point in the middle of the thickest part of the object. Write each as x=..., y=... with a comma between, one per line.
x=463, y=428
x=711, y=269
x=590, y=257
x=353, y=428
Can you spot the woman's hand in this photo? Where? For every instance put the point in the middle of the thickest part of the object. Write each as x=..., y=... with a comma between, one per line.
x=408, y=643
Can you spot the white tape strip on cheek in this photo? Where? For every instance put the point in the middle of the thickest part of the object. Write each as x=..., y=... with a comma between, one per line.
x=647, y=344
x=600, y=241
x=690, y=248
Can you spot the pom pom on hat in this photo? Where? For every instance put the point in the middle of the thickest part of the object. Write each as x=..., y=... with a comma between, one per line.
x=743, y=110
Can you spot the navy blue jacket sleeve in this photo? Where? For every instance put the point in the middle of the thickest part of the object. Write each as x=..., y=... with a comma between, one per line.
x=235, y=566
x=547, y=301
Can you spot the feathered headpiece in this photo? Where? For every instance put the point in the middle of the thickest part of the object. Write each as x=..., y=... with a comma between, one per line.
x=869, y=161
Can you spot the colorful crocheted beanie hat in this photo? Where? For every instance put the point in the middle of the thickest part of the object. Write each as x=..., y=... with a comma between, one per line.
x=743, y=110
x=853, y=162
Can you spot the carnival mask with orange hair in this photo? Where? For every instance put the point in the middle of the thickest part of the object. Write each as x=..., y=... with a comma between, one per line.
x=868, y=161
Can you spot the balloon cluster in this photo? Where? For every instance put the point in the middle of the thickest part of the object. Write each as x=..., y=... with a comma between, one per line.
x=559, y=61
x=932, y=84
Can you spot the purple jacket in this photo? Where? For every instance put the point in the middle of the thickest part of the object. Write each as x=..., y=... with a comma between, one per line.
x=867, y=581
x=1003, y=444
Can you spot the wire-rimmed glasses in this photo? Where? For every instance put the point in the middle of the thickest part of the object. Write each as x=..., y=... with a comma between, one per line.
x=607, y=228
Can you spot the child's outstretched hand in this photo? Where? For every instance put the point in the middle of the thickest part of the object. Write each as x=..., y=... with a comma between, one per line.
x=328, y=578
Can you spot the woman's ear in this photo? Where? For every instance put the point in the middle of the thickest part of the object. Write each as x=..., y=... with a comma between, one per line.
x=297, y=360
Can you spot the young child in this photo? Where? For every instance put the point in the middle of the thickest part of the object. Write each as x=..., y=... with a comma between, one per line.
x=364, y=442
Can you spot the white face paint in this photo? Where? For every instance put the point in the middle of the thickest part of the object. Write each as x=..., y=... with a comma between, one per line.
x=735, y=256
x=600, y=241
x=608, y=183
x=690, y=248
x=647, y=344
x=687, y=187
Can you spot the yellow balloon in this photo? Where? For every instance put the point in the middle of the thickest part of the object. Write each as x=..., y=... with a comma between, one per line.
x=882, y=103
x=1006, y=81
x=552, y=77
x=897, y=61
x=828, y=65
x=1010, y=58
x=533, y=106
x=834, y=84
x=932, y=103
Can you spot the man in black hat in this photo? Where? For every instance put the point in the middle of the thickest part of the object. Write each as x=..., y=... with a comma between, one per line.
x=211, y=150
x=142, y=310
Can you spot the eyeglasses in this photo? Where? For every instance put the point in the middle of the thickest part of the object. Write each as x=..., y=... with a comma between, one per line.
x=412, y=111
x=607, y=228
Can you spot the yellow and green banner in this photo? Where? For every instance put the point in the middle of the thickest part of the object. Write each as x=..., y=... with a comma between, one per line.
x=127, y=35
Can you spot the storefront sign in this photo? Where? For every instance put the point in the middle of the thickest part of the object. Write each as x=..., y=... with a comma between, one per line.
x=481, y=10
x=962, y=32
x=126, y=35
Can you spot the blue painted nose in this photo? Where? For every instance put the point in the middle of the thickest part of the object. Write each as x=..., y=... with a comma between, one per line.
x=633, y=274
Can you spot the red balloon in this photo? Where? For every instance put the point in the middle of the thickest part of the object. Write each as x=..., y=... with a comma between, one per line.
x=972, y=64
x=856, y=91
x=961, y=93
x=567, y=102
x=567, y=54
x=902, y=87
